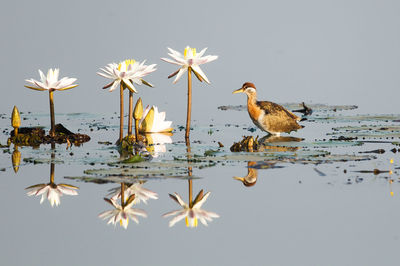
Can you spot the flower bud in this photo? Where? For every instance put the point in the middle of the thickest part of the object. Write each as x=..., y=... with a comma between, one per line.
x=16, y=160
x=147, y=123
x=138, y=112
x=15, y=118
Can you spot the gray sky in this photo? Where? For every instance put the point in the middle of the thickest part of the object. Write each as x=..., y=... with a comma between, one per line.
x=335, y=52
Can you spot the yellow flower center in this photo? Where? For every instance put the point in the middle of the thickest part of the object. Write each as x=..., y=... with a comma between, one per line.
x=127, y=63
x=187, y=222
x=121, y=222
x=189, y=50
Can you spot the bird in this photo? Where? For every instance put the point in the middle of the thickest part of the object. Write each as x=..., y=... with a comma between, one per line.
x=268, y=116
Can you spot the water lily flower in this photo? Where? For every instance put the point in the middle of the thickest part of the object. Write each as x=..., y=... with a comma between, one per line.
x=124, y=75
x=51, y=84
x=121, y=214
x=189, y=59
x=52, y=192
x=137, y=189
x=154, y=121
x=127, y=72
x=191, y=214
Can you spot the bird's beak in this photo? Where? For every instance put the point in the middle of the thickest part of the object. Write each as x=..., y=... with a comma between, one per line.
x=238, y=178
x=237, y=91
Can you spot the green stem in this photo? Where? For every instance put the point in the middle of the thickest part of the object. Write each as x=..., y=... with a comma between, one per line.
x=52, y=118
x=121, y=109
x=189, y=103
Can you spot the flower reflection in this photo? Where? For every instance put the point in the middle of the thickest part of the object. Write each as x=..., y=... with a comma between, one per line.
x=192, y=212
x=121, y=213
x=252, y=174
x=52, y=191
x=16, y=158
x=137, y=189
x=156, y=143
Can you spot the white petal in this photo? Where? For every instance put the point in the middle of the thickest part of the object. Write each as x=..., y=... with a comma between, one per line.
x=180, y=73
x=115, y=85
x=201, y=73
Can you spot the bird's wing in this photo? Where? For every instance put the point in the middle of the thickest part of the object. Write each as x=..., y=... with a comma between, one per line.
x=276, y=110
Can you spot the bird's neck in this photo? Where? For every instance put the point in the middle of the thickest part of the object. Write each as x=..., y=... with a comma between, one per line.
x=251, y=99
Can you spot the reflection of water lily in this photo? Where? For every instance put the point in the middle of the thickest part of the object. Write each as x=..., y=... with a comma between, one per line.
x=189, y=59
x=156, y=143
x=137, y=189
x=121, y=214
x=52, y=192
x=154, y=121
x=191, y=214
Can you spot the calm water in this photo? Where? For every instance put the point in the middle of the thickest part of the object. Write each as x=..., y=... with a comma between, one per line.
x=292, y=215
x=298, y=213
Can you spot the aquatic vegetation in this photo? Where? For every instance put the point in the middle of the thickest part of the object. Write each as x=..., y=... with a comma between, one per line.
x=51, y=84
x=190, y=61
x=124, y=75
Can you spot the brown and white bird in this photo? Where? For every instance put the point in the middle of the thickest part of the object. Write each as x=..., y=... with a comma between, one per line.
x=268, y=116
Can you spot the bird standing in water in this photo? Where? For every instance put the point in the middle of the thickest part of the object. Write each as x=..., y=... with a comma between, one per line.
x=268, y=116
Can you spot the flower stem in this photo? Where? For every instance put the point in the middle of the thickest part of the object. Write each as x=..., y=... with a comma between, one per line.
x=121, y=110
x=137, y=130
x=189, y=103
x=190, y=193
x=122, y=195
x=130, y=113
x=52, y=166
x=52, y=119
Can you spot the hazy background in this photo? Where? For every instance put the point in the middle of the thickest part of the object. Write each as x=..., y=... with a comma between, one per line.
x=335, y=52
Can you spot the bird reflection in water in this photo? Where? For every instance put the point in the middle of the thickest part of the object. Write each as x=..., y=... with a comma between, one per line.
x=251, y=178
x=122, y=212
x=51, y=190
x=252, y=172
x=270, y=142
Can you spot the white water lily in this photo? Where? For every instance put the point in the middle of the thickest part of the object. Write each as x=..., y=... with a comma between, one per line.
x=137, y=189
x=52, y=192
x=121, y=214
x=189, y=59
x=191, y=214
x=128, y=72
x=51, y=82
x=154, y=121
